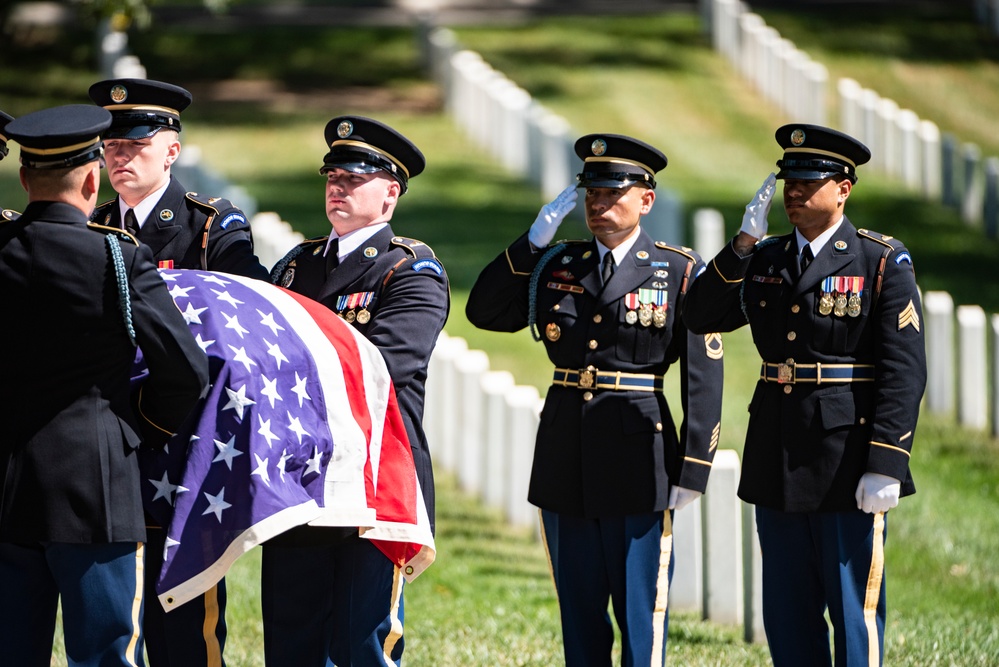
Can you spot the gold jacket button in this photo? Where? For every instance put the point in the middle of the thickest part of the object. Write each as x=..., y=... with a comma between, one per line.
x=795, y=308
x=863, y=420
x=788, y=388
x=763, y=304
x=587, y=395
x=791, y=335
x=597, y=318
x=659, y=426
x=593, y=344
x=556, y=307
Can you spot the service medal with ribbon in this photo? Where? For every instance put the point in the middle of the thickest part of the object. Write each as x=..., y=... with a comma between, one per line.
x=632, y=303
x=659, y=317
x=826, y=299
x=645, y=314
x=839, y=307
x=364, y=300
x=853, y=303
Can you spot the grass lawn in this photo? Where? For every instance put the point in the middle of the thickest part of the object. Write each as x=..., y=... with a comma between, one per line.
x=488, y=600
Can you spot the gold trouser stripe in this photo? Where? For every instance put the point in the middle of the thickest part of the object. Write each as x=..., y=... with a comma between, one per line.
x=213, y=652
x=662, y=591
x=136, y=604
x=874, y=591
x=395, y=634
x=548, y=554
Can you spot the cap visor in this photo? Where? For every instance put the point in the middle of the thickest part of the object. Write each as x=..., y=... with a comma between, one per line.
x=353, y=166
x=132, y=132
x=806, y=175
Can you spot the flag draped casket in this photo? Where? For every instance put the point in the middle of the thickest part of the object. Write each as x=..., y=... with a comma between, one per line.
x=300, y=425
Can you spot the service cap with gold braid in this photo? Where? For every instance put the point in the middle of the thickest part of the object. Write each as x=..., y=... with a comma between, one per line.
x=60, y=137
x=140, y=107
x=4, y=119
x=365, y=146
x=617, y=161
x=813, y=153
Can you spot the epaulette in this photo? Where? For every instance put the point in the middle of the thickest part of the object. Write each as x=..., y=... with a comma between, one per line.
x=680, y=250
x=877, y=237
x=8, y=214
x=279, y=267
x=211, y=203
x=121, y=234
x=417, y=249
x=102, y=212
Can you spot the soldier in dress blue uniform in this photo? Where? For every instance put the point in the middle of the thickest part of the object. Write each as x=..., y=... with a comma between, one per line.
x=184, y=230
x=609, y=464
x=836, y=317
x=395, y=292
x=79, y=298
x=5, y=213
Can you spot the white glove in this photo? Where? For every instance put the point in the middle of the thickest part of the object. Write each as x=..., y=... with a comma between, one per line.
x=877, y=492
x=754, y=220
x=550, y=217
x=680, y=497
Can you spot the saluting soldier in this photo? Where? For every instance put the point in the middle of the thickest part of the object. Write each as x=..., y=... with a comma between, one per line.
x=610, y=466
x=836, y=317
x=395, y=292
x=5, y=213
x=184, y=230
x=79, y=297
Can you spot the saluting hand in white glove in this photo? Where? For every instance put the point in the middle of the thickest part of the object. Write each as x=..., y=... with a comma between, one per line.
x=550, y=217
x=877, y=492
x=754, y=220
x=680, y=497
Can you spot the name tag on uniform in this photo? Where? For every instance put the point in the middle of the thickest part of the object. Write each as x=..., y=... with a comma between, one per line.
x=770, y=280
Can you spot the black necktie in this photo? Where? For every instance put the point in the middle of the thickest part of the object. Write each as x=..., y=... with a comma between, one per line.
x=332, y=256
x=806, y=258
x=607, y=268
x=131, y=224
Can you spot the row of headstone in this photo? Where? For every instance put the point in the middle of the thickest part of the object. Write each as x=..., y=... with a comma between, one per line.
x=483, y=425
x=959, y=373
x=781, y=72
x=903, y=146
x=519, y=132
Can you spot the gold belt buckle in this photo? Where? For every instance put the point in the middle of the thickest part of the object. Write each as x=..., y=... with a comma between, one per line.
x=785, y=372
x=587, y=377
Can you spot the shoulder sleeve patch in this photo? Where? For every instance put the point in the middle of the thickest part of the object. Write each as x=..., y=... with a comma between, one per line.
x=904, y=257
x=234, y=217
x=430, y=265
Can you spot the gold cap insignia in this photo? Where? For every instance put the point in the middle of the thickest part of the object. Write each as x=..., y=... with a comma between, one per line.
x=599, y=147
x=344, y=129
x=119, y=94
x=798, y=137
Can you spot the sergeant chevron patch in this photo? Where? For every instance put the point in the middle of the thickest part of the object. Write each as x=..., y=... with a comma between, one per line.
x=908, y=316
x=713, y=346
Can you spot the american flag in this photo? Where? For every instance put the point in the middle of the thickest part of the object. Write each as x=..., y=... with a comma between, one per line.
x=300, y=425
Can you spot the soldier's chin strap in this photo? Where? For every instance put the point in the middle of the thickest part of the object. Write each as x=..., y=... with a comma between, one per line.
x=532, y=290
x=121, y=278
